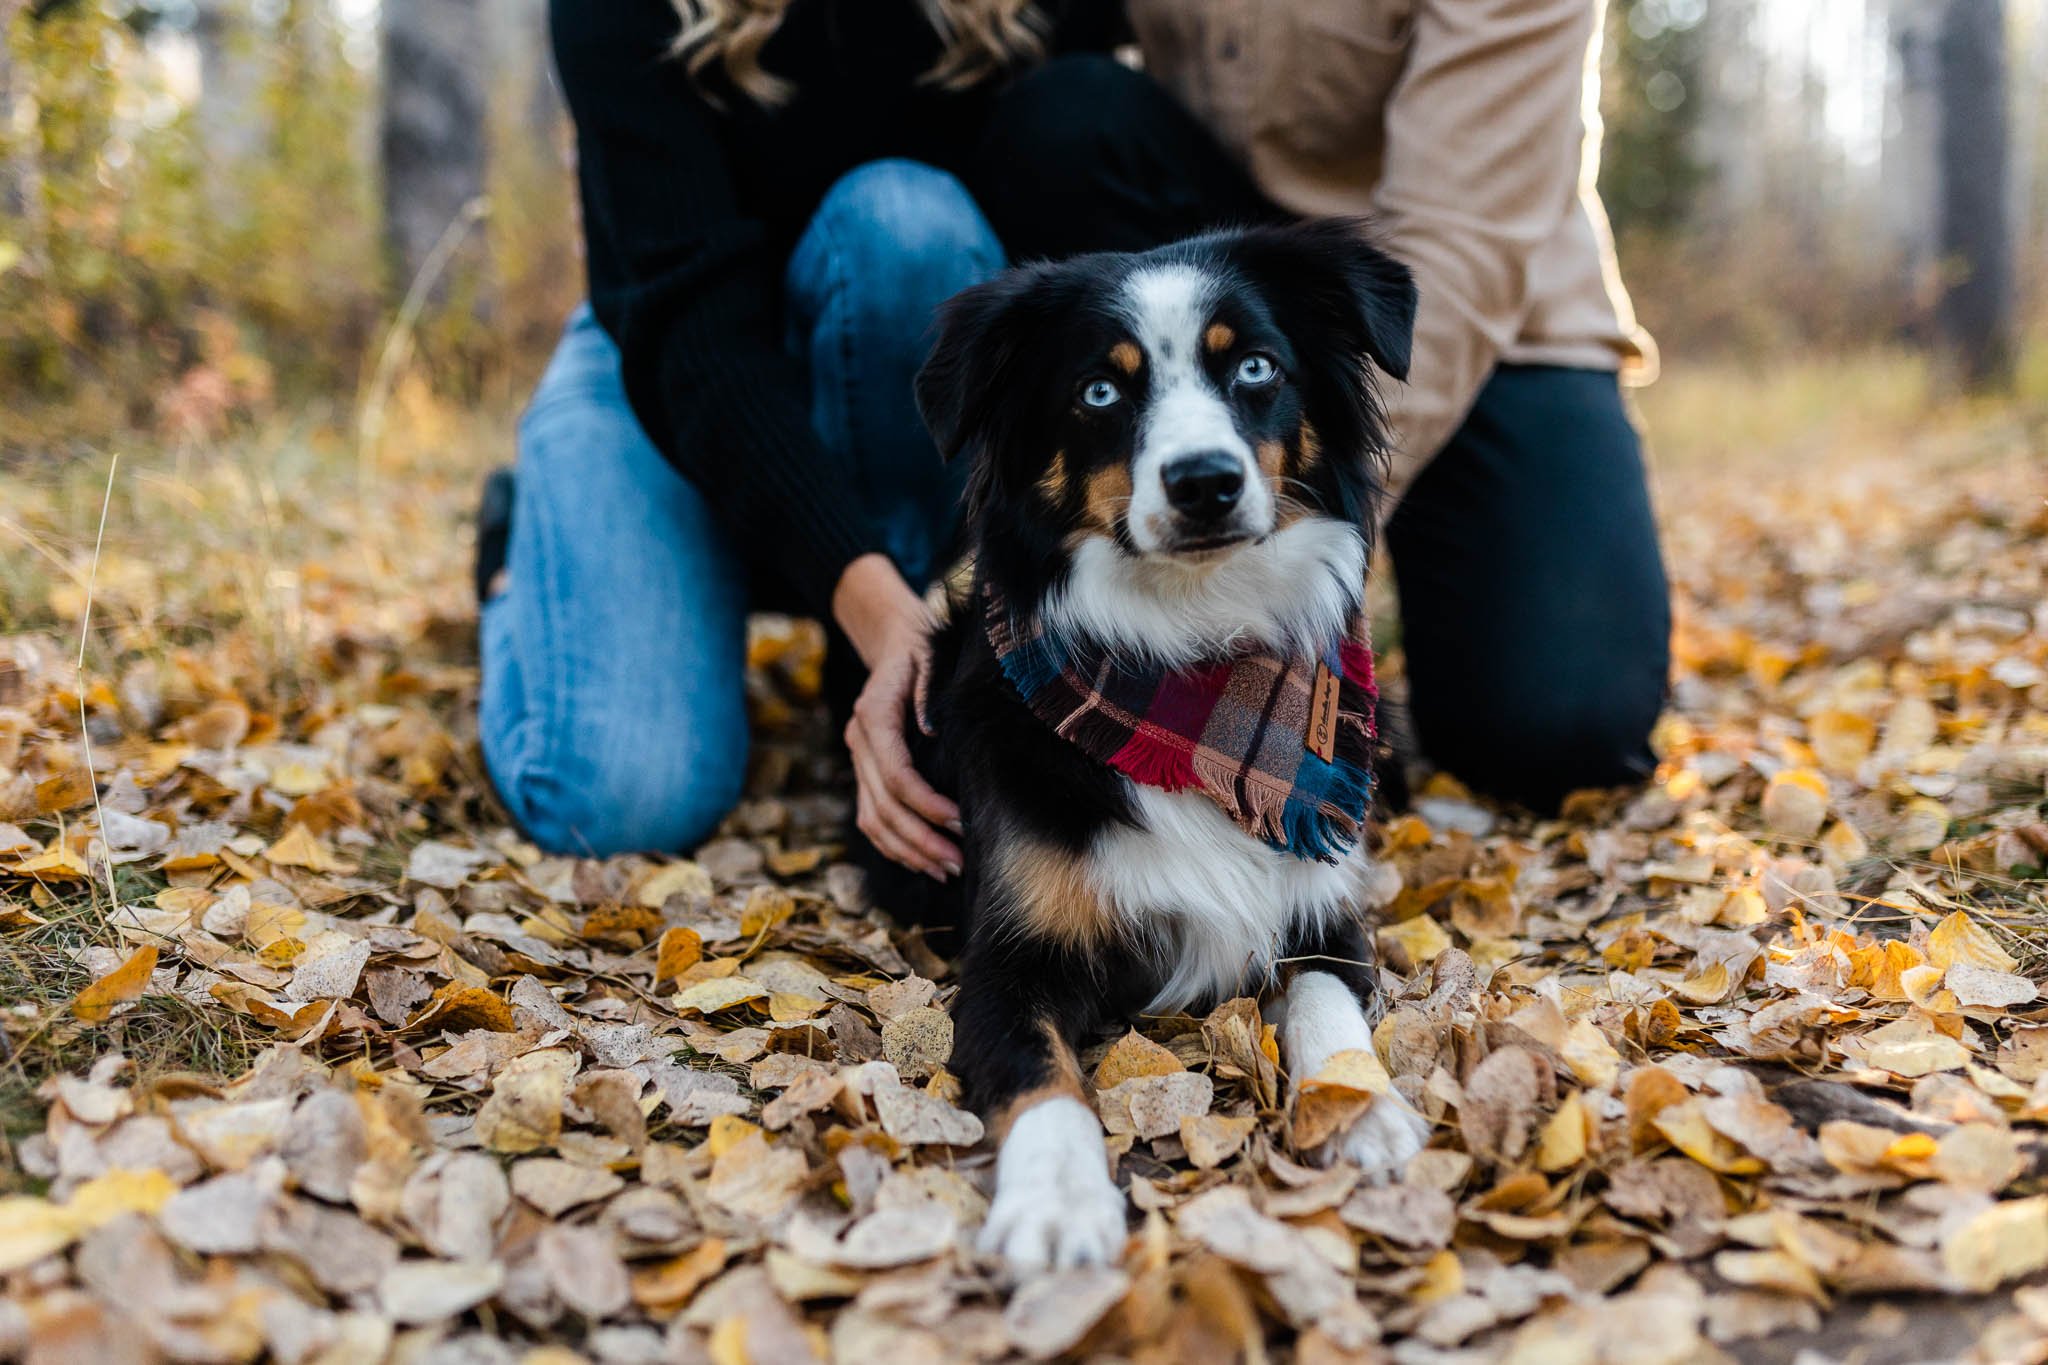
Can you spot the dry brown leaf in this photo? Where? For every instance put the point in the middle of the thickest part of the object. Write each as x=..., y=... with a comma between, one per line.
x=1796, y=803
x=915, y=1117
x=414, y=1292
x=1051, y=1313
x=555, y=1186
x=1213, y=1139
x=1505, y=1097
x=583, y=1270
x=1154, y=1106
x=2002, y=1243
x=918, y=1042
x=524, y=1111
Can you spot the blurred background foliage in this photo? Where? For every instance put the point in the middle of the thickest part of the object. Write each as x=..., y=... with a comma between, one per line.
x=212, y=209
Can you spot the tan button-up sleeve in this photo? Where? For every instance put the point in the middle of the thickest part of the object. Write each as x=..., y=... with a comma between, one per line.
x=1484, y=139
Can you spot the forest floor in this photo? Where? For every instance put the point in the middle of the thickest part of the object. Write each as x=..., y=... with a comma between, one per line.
x=302, y=1052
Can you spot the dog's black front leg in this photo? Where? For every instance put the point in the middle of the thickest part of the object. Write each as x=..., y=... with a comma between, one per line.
x=1024, y=1005
x=1328, y=1006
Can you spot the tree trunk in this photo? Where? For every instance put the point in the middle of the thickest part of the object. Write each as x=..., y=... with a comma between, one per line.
x=230, y=115
x=1911, y=180
x=17, y=165
x=434, y=129
x=1976, y=313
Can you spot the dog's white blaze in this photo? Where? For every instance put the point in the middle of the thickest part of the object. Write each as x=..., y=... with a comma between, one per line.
x=1167, y=308
x=1293, y=592
x=1221, y=901
x=1055, y=1204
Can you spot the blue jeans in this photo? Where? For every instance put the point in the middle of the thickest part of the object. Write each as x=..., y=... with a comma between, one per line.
x=613, y=713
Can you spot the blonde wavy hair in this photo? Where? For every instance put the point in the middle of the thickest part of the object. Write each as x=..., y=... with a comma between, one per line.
x=980, y=37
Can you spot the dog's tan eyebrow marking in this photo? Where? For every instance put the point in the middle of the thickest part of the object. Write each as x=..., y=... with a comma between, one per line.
x=1053, y=482
x=1219, y=336
x=1126, y=356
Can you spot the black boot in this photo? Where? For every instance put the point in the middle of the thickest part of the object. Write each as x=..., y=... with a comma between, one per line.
x=493, y=530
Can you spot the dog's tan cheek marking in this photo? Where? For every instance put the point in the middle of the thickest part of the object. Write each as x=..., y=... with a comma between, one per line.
x=1126, y=356
x=1308, y=449
x=1053, y=482
x=1272, y=459
x=1063, y=1083
x=1219, y=336
x=1300, y=457
x=1105, y=496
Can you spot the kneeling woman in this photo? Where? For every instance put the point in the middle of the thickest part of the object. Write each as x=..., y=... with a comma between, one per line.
x=771, y=218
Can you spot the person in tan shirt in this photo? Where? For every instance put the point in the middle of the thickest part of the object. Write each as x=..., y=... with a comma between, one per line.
x=1535, y=614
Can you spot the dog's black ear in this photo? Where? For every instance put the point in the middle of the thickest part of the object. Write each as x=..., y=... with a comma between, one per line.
x=1385, y=289
x=959, y=381
x=1355, y=290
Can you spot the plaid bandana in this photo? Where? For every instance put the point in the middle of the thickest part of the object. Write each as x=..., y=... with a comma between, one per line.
x=1282, y=746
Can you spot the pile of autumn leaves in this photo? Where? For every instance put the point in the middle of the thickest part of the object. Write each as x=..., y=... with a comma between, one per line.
x=1703, y=1059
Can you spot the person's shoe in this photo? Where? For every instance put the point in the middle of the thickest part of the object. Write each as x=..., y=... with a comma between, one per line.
x=493, y=532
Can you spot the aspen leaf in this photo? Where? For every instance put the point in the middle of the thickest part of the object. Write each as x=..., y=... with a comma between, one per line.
x=679, y=950
x=1338, y=1094
x=1795, y=803
x=2002, y=1243
x=1131, y=1056
x=1959, y=940
x=124, y=985
x=300, y=847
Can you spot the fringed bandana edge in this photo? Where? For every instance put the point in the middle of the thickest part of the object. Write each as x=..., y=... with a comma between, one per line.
x=1283, y=746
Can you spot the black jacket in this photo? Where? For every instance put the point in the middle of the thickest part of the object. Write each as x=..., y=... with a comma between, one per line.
x=692, y=200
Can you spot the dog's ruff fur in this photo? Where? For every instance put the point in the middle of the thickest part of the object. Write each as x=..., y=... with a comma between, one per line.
x=1089, y=395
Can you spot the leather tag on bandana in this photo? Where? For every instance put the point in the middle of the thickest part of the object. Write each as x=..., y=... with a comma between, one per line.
x=1321, y=737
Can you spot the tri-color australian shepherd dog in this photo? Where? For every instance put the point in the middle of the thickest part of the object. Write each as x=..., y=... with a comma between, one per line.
x=1155, y=701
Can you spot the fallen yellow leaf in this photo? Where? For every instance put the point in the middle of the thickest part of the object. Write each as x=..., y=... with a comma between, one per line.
x=124, y=984
x=1959, y=939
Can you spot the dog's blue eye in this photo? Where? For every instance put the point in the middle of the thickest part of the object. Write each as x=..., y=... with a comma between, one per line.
x=1100, y=394
x=1256, y=369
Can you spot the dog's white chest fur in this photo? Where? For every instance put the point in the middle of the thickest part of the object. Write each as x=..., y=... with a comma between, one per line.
x=1219, y=902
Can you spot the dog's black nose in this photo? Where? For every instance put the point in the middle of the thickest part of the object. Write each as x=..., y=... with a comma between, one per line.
x=1203, y=486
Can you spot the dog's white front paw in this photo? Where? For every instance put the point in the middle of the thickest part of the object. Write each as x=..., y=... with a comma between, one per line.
x=1382, y=1140
x=1055, y=1205
x=1070, y=1222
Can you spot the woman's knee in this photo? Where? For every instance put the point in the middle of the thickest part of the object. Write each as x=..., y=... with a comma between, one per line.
x=582, y=375
x=653, y=798
x=1515, y=734
x=900, y=224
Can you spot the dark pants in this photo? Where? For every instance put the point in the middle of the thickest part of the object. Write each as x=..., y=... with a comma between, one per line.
x=1534, y=611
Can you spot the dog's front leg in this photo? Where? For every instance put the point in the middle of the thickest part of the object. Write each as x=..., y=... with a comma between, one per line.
x=1055, y=1204
x=1323, y=1013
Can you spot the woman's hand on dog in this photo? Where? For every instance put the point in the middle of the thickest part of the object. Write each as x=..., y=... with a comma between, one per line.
x=890, y=628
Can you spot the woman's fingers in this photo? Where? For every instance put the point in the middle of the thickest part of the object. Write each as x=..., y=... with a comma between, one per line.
x=910, y=806
x=900, y=775
x=881, y=831
x=893, y=826
x=920, y=688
